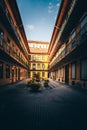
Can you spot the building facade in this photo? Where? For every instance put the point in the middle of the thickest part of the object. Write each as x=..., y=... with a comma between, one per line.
x=13, y=44
x=63, y=59
x=68, y=46
x=38, y=59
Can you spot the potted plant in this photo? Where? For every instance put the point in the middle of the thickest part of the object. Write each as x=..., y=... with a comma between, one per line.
x=29, y=83
x=35, y=86
x=46, y=81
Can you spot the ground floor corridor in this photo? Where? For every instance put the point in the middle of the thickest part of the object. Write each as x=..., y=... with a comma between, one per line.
x=57, y=107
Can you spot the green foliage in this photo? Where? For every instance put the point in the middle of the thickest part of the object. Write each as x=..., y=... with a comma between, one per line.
x=46, y=81
x=30, y=82
x=33, y=84
x=37, y=76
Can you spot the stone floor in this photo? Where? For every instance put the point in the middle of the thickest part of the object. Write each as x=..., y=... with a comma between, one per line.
x=57, y=107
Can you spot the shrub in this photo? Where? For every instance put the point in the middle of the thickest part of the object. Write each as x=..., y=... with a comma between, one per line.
x=33, y=84
x=46, y=81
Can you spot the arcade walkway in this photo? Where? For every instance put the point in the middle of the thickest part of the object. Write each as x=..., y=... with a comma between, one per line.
x=57, y=107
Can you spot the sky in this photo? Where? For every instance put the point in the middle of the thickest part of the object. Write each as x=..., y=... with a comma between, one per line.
x=39, y=17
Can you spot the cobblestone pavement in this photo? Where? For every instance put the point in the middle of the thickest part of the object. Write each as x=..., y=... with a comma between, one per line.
x=56, y=107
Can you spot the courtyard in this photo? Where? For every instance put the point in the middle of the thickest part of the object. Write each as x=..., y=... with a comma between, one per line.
x=57, y=107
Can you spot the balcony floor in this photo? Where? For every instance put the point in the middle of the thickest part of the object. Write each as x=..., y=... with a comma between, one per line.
x=56, y=107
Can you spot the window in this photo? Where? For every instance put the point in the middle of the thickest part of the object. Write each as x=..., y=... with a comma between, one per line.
x=1, y=70
x=62, y=72
x=38, y=57
x=58, y=73
x=7, y=71
x=31, y=45
x=44, y=46
x=84, y=21
x=34, y=66
x=43, y=57
x=84, y=69
x=43, y=74
x=16, y=72
x=9, y=18
x=73, y=70
x=73, y=34
x=43, y=65
x=8, y=44
x=36, y=46
x=29, y=57
x=83, y=26
x=1, y=37
x=34, y=58
x=34, y=74
x=38, y=66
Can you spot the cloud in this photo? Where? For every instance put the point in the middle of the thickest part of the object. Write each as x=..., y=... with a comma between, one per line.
x=58, y=4
x=30, y=27
x=50, y=8
x=50, y=3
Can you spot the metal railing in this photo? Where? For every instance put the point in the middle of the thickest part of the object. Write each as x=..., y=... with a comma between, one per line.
x=9, y=50
x=64, y=24
x=7, y=14
x=76, y=41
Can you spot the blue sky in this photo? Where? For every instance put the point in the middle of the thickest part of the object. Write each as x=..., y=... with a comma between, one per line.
x=39, y=17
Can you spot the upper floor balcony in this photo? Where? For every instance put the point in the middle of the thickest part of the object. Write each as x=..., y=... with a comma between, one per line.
x=77, y=41
x=7, y=51
x=8, y=23
x=70, y=21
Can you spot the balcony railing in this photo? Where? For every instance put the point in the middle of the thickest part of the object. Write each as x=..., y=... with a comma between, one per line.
x=63, y=25
x=36, y=60
x=37, y=69
x=75, y=42
x=9, y=50
x=7, y=14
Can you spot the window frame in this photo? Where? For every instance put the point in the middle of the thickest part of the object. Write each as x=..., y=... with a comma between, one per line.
x=7, y=71
x=43, y=73
x=1, y=70
x=81, y=69
x=73, y=78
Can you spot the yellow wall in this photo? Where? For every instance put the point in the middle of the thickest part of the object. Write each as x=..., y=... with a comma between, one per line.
x=39, y=59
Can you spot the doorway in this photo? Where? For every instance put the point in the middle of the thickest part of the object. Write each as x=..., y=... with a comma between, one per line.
x=67, y=74
x=12, y=75
x=18, y=74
